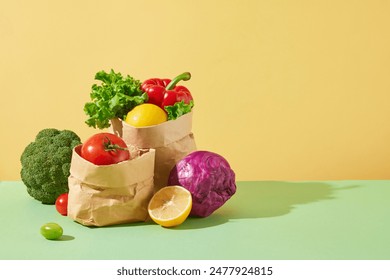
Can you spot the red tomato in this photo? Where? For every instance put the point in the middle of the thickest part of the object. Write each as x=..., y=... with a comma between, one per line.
x=62, y=204
x=105, y=149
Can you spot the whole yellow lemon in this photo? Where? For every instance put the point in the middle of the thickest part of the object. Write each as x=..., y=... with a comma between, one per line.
x=146, y=114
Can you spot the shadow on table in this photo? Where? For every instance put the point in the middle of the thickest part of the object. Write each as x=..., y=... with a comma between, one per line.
x=273, y=198
x=198, y=223
x=66, y=238
x=265, y=199
x=262, y=199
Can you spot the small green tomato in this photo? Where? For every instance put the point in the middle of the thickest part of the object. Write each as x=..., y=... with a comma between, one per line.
x=51, y=231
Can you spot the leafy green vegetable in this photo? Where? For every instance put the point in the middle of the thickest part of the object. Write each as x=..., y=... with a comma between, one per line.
x=178, y=109
x=114, y=98
x=46, y=164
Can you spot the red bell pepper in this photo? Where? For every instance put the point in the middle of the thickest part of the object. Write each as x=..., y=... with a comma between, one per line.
x=165, y=92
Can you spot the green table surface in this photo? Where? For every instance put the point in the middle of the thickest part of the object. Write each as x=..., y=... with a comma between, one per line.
x=266, y=220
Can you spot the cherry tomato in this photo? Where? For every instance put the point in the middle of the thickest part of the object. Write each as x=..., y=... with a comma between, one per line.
x=51, y=231
x=104, y=149
x=62, y=204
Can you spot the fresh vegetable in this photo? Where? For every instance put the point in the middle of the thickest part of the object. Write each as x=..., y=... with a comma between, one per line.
x=46, y=164
x=114, y=98
x=170, y=206
x=208, y=177
x=104, y=149
x=178, y=109
x=146, y=115
x=62, y=204
x=51, y=231
x=165, y=92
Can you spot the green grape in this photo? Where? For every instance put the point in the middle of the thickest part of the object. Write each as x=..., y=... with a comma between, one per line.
x=51, y=231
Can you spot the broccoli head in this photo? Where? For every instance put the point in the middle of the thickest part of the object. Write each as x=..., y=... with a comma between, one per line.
x=46, y=164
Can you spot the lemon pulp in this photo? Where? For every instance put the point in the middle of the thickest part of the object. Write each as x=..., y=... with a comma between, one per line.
x=170, y=206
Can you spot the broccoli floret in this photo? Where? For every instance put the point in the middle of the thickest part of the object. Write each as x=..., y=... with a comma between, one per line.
x=46, y=164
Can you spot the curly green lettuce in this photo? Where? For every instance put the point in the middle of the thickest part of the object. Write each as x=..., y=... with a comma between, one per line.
x=178, y=109
x=113, y=98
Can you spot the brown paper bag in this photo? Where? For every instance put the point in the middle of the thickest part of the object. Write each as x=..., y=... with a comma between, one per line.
x=172, y=141
x=110, y=194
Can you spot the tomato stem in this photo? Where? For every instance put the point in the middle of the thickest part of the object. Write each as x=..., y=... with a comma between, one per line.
x=108, y=146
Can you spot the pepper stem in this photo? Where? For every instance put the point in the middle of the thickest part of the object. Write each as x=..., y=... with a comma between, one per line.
x=182, y=77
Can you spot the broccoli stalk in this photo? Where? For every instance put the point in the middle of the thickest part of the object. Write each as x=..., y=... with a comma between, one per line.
x=46, y=164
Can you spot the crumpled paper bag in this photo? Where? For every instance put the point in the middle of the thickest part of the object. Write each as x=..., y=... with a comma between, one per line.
x=172, y=140
x=110, y=194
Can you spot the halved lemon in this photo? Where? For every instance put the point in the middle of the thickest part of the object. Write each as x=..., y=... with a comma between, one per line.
x=170, y=206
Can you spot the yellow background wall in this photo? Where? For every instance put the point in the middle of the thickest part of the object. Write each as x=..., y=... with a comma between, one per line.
x=285, y=90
